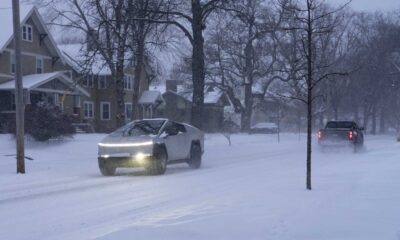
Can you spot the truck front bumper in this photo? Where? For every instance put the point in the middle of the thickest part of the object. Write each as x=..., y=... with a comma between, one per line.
x=138, y=160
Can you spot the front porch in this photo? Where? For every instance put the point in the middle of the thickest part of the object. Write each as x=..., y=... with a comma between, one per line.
x=53, y=90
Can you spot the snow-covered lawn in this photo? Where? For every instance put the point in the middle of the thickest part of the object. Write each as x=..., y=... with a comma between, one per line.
x=254, y=189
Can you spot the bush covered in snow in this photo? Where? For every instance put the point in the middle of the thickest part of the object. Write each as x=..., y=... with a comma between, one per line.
x=43, y=123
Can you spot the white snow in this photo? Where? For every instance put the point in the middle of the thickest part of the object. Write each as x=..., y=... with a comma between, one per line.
x=150, y=97
x=254, y=189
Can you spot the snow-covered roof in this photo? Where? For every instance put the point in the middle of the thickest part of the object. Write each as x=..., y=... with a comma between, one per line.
x=268, y=125
x=26, y=11
x=210, y=96
x=33, y=81
x=77, y=57
x=6, y=20
x=150, y=97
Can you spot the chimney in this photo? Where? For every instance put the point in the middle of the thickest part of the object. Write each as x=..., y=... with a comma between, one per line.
x=91, y=38
x=171, y=85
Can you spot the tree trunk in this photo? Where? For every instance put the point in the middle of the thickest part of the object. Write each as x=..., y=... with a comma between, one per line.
x=198, y=73
x=373, y=128
x=366, y=115
x=120, y=93
x=309, y=92
x=139, y=65
x=382, y=125
x=248, y=96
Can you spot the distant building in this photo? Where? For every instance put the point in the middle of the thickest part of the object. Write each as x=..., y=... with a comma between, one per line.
x=99, y=109
x=177, y=105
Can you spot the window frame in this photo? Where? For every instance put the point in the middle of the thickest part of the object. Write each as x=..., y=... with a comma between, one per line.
x=41, y=60
x=126, y=112
x=12, y=63
x=28, y=36
x=128, y=82
x=102, y=79
x=88, y=78
x=86, y=116
x=102, y=111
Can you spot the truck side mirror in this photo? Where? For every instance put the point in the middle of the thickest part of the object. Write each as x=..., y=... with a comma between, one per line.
x=362, y=128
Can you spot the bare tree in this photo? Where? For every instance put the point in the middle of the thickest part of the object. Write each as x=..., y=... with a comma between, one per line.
x=242, y=53
x=191, y=19
x=312, y=20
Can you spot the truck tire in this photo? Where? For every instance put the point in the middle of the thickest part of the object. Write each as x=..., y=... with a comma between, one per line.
x=158, y=165
x=195, y=156
x=106, y=169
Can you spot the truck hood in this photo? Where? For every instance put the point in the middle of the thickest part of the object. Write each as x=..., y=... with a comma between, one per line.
x=121, y=140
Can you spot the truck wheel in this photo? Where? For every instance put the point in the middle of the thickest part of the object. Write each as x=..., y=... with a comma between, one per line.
x=195, y=156
x=158, y=166
x=106, y=169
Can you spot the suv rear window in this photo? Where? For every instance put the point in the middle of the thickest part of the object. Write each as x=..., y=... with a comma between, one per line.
x=340, y=125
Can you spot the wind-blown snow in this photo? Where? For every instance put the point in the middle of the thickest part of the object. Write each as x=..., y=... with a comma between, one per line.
x=254, y=189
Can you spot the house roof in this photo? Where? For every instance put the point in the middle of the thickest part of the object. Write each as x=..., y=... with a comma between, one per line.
x=26, y=12
x=6, y=18
x=87, y=61
x=30, y=82
x=80, y=60
x=150, y=97
x=211, y=96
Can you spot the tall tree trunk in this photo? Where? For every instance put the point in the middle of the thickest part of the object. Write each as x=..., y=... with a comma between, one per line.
x=139, y=63
x=382, y=120
x=120, y=93
x=373, y=128
x=366, y=115
x=336, y=112
x=248, y=96
x=198, y=74
x=356, y=114
x=309, y=91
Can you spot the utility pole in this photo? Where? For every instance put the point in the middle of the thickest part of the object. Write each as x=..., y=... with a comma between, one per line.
x=19, y=91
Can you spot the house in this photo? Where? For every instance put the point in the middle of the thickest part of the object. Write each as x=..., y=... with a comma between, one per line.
x=99, y=110
x=46, y=76
x=62, y=75
x=177, y=105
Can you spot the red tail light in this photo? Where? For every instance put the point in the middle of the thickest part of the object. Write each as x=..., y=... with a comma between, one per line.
x=319, y=135
x=351, y=135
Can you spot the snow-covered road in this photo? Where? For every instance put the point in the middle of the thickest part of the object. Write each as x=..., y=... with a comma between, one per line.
x=254, y=189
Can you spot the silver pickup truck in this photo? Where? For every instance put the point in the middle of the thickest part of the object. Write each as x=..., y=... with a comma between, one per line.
x=152, y=144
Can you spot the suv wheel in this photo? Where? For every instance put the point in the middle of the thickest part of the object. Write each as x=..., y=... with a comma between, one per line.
x=106, y=169
x=158, y=166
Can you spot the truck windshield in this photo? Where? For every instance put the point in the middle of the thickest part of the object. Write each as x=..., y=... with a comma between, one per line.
x=345, y=125
x=140, y=128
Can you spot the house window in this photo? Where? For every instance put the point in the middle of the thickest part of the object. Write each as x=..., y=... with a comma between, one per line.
x=39, y=65
x=27, y=33
x=88, y=109
x=88, y=81
x=128, y=82
x=128, y=111
x=105, y=110
x=12, y=63
x=56, y=99
x=102, y=82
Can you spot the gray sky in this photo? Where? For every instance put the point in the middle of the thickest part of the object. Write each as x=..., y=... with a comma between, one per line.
x=372, y=5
